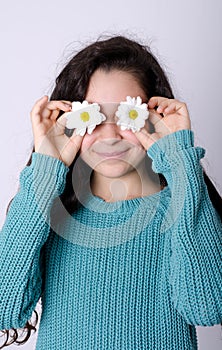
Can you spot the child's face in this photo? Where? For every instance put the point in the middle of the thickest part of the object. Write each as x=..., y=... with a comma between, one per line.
x=109, y=150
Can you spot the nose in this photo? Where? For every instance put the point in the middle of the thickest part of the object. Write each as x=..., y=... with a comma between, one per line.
x=109, y=131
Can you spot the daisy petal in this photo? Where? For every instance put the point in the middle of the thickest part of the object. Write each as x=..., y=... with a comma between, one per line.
x=84, y=115
x=90, y=129
x=81, y=132
x=132, y=114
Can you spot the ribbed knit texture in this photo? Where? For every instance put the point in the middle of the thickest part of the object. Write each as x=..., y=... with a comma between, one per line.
x=131, y=275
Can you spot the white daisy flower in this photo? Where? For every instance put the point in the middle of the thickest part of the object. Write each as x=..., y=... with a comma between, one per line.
x=84, y=117
x=132, y=114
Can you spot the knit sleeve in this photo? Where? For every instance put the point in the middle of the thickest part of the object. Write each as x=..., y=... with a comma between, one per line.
x=195, y=227
x=23, y=234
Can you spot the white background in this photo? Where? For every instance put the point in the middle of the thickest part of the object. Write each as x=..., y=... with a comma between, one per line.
x=37, y=37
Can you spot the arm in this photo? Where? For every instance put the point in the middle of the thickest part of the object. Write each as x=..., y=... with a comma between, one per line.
x=28, y=221
x=23, y=234
x=196, y=230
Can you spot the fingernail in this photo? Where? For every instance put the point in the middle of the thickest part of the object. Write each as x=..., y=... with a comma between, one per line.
x=68, y=105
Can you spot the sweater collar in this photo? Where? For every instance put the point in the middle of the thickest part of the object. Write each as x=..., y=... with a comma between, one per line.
x=97, y=204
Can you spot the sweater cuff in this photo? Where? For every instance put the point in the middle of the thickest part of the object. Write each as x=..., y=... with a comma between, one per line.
x=175, y=151
x=46, y=175
x=47, y=164
x=172, y=143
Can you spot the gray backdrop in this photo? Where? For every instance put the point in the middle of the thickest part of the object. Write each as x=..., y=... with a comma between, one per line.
x=36, y=38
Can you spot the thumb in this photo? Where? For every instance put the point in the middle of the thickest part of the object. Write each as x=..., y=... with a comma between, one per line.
x=154, y=117
x=145, y=138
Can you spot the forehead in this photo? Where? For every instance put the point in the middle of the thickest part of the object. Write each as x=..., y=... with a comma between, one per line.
x=112, y=86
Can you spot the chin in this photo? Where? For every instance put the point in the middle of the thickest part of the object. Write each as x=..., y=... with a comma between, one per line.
x=113, y=169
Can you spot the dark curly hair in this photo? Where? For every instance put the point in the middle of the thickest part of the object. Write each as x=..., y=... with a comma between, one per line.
x=116, y=52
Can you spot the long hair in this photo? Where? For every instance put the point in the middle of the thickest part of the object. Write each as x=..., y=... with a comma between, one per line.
x=122, y=54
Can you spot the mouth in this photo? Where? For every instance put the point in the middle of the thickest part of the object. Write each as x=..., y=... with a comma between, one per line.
x=110, y=155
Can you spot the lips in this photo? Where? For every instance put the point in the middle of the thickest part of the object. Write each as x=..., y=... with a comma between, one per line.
x=113, y=154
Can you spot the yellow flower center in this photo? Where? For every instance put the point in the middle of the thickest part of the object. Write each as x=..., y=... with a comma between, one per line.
x=85, y=116
x=133, y=114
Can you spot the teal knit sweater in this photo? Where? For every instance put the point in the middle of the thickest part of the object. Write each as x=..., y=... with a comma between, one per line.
x=131, y=275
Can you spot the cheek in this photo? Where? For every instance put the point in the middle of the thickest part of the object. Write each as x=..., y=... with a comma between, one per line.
x=130, y=137
x=126, y=135
x=87, y=142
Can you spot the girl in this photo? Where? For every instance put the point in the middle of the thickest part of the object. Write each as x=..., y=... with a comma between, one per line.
x=118, y=232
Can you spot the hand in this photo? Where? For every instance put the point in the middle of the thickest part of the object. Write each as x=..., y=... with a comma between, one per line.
x=167, y=116
x=48, y=131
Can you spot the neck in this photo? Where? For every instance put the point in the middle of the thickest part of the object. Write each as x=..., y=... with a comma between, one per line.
x=135, y=184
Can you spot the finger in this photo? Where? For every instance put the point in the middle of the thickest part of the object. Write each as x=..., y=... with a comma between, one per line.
x=70, y=149
x=159, y=122
x=154, y=117
x=41, y=103
x=77, y=139
x=58, y=127
x=167, y=105
x=55, y=105
x=146, y=139
x=176, y=106
x=63, y=115
x=54, y=114
x=61, y=123
x=75, y=142
x=69, y=103
x=43, y=108
x=155, y=101
x=163, y=105
x=61, y=105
